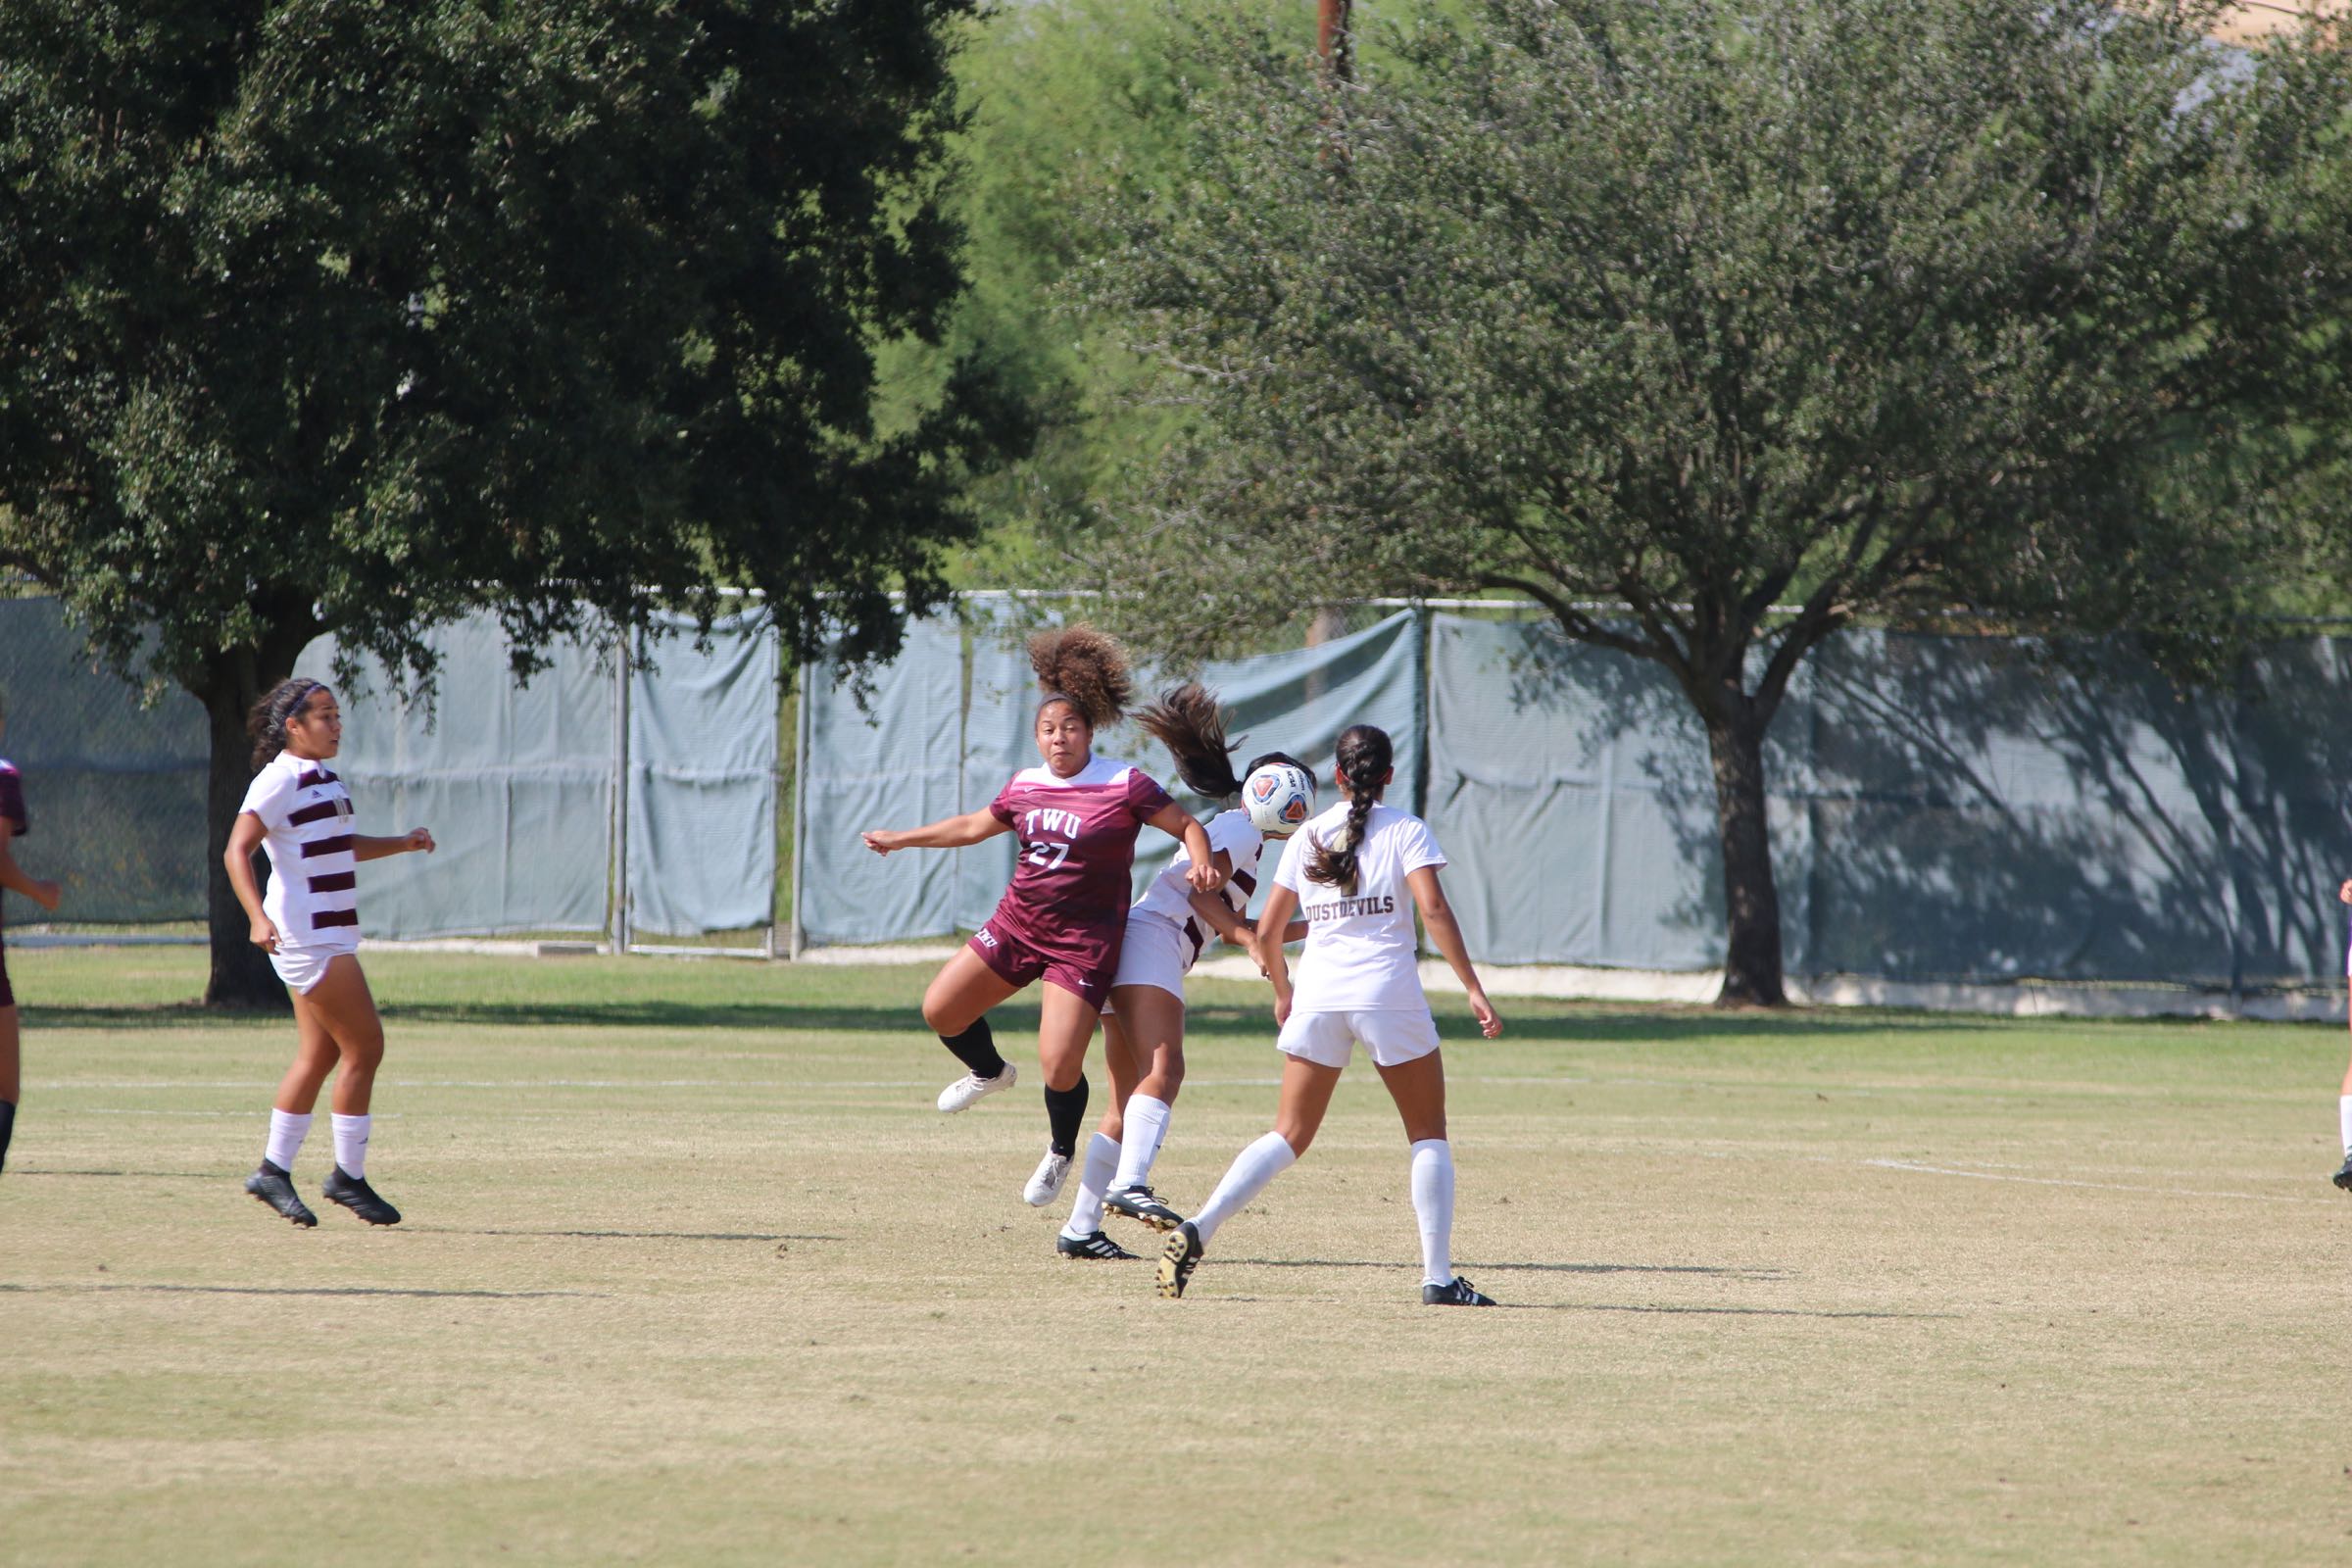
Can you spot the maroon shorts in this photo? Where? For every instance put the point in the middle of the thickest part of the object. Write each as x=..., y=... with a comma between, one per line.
x=1082, y=962
x=8, y=995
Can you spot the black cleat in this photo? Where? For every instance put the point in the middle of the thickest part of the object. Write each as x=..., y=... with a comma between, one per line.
x=1176, y=1260
x=354, y=1194
x=2343, y=1177
x=276, y=1188
x=1096, y=1246
x=1457, y=1291
x=1140, y=1203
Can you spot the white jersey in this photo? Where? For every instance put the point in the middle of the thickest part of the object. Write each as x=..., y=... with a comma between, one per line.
x=305, y=816
x=1361, y=951
x=1169, y=897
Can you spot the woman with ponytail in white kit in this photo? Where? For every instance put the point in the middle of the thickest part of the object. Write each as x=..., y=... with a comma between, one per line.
x=1358, y=872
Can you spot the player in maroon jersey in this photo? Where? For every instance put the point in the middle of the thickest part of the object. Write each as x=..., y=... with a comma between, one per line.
x=14, y=821
x=1062, y=918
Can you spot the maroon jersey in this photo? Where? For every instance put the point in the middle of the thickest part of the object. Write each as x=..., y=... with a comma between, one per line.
x=1065, y=915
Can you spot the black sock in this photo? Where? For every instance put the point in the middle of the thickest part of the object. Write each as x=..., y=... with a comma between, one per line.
x=8, y=1125
x=1065, y=1110
x=976, y=1049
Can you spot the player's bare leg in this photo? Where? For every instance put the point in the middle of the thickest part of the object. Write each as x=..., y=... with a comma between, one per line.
x=314, y=1057
x=955, y=1007
x=1153, y=1019
x=1065, y=1026
x=342, y=1002
x=2343, y=1116
x=11, y=1084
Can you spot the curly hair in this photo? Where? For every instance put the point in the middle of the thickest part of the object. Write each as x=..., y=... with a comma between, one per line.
x=267, y=723
x=1187, y=720
x=1081, y=666
x=1364, y=755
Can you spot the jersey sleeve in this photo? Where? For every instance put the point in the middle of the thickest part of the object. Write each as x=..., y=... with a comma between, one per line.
x=12, y=802
x=1001, y=806
x=1291, y=870
x=1145, y=797
x=266, y=797
x=1417, y=847
x=1234, y=833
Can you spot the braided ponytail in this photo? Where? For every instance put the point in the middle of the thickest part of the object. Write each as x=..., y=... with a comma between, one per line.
x=267, y=723
x=1364, y=756
x=1188, y=721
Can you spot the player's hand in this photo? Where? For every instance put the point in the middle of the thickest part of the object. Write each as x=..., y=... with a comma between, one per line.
x=420, y=838
x=46, y=894
x=1281, y=1007
x=874, y=840
x=265, y=934
x=1490, y=1022
x=2345, y=891
x=1205, y=878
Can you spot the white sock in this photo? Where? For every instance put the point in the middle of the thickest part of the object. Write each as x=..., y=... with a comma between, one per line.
x=1433, y=1202
x=351, y=1144
x=1244, y=1179
x=1093, y=1180
x=1146, y=1125
x=2343, y=1118
x=287, y=1133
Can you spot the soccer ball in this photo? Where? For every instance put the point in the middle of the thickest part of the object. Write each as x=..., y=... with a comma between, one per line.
x=1279, y=798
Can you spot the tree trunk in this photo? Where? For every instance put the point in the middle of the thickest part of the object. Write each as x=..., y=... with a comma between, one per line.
x=1751, y=963
x=229, y=685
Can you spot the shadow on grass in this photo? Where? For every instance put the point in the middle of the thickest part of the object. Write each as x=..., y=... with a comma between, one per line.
x=1712, y=1270
x=1721, y=1311
x=633, y=1236
x=295, y=1290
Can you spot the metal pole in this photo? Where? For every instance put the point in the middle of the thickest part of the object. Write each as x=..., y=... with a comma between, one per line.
x=620, y=796
x=799, y=808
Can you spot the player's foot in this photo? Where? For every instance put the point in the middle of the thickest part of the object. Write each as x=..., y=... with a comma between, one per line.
x=1457, y=1291
x=1140, y=1203
x=2343, y=1177
x=1046, y=1185
x=276, y=1188
x=354, y=1194
x=1096, y=1246
x=971, y=1088
x=1176, y=1260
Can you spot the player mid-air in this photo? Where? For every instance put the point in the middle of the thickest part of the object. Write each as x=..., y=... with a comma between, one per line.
x=1076, y=816
x=309, y=923
x=1358, y=872
x=1143, y=1028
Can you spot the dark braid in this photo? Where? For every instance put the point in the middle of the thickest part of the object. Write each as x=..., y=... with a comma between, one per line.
x=1364, y=755
x=1188, y=721
x=267, y=723
x=1081, y=666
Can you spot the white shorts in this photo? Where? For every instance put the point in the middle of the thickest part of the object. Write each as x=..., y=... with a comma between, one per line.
x=1153, y=953
x=304, y=967
x=1393, y=1035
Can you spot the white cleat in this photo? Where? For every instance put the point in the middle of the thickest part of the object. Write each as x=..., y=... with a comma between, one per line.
x=1046, y=1185
x=969, y=1089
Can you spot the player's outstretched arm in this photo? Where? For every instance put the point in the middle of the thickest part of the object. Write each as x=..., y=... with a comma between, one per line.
x=1273, y=921
x=369, y=847
x=947, y=833
x=1178, y=823
x=1446, y=937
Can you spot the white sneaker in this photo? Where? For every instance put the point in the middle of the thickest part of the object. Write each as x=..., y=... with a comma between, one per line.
x=969, y=1087
x=1052, y=1172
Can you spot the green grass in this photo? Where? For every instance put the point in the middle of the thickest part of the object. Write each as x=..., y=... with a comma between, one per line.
x=692, y=1272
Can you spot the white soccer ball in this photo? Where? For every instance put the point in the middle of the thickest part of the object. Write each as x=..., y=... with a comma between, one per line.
x=1279, y=798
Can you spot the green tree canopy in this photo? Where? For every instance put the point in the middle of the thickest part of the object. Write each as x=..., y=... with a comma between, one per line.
x=327, y=318
x=1753, y=320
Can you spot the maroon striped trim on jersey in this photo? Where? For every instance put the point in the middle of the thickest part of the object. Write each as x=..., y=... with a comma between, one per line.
x=316, y=811
x=312, y=775
x=334, y=845
x=335, y=882
x=332, y=918
x=1247, y=881
x=1192, y=929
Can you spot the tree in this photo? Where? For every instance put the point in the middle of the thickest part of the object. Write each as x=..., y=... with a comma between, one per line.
x=338, y=319
x=1756, y=321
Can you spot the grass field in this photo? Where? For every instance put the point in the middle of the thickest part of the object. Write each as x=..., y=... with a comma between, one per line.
x=692, y=1272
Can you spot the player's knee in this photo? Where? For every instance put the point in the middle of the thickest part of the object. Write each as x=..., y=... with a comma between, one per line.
x=363, y=1052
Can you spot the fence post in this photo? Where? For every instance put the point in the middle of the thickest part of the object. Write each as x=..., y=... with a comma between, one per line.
x=799, y=807
x=620, y=796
